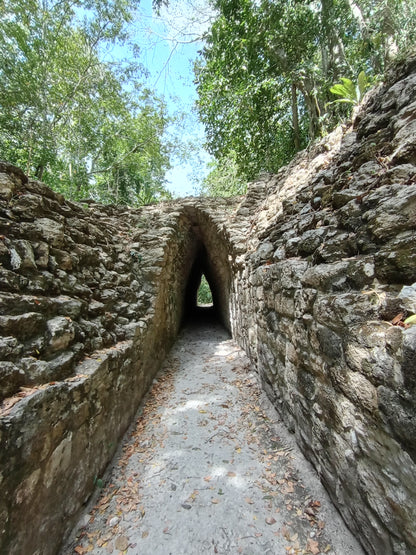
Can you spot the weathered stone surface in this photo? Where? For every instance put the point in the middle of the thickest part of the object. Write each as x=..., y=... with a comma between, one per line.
x=340, y=375
x=61, y=333
x=11, y=378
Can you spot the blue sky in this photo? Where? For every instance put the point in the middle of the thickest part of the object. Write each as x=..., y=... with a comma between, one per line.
x=168, y=50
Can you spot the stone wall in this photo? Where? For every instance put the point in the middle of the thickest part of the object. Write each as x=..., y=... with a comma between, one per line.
x=91, y=300
x=312, y=271
x=319, y=301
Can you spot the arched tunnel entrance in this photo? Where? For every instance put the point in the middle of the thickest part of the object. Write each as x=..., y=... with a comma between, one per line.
x=193, y=311
x=208, y=256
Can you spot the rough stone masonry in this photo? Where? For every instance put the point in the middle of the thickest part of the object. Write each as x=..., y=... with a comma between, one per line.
x=313, y=272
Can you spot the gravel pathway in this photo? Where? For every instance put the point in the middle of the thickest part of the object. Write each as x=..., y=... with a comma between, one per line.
x=208, y=468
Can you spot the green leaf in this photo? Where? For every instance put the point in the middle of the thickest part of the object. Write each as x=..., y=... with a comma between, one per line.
x=362, y=83
x=411, y=320
x=346, y=89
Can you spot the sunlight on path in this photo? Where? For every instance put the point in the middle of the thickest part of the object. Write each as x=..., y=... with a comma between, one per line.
x=207, y=469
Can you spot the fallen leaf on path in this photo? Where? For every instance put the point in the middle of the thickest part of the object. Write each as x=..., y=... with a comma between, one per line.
x=208, y=478
x=122, y=543
x=215, y=501
x=145, y=534
x=270, y=520
x=288, y=488
x=231, y=474
x=194, y=494
x=312, y=546
x=248, y=500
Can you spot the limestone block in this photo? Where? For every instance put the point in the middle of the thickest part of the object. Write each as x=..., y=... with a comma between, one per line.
x=330, y=343
x=373, y=349
x=263, y=253
x=67, y=306
x=8, y=186
x=51, y=230
x=326, y=277
x=95, y=308
x=11, y=378
x=61, y=333
x=408, y=363
x=59, y=462
x=340, y=311
x=22, y=326
x=395, y=261
x=408, y=296
x=342, y=245
x=41, y=250
x=21, y=255
x=36, y=371
x=310, y=240
x=303, y=301
x=64, y=260
x=288, y=274
x=9, y=346
x=390, y=200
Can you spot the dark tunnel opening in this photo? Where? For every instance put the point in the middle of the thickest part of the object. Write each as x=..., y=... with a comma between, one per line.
x=194, y=313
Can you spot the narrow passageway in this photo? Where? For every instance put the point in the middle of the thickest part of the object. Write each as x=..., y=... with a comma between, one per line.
x=207, y=468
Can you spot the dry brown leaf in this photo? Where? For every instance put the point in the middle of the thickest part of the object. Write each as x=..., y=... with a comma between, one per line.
x=122, y=543
x=80, y=550
x=270, y=520
x=397, y=319
x=145, y=534
x=215, y=501
x=288, y=488
x=312, y=546
x=231, y=474
x=248, y=500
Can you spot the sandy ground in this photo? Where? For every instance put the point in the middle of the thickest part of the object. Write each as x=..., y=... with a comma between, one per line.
x=208, y=468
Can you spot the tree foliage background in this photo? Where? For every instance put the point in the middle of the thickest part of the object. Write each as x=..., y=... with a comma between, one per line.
x=265, y=75
x=272, y=76
x=69, y=114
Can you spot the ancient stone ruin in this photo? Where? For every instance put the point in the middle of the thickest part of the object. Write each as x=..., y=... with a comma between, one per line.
x=313, y=272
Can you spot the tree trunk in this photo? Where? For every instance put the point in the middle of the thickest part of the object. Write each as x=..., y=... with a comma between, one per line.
x=39, y=171
x=295, y=117
x=314, y=111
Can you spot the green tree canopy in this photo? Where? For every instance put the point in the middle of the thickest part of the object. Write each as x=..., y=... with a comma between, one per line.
x=68, y=114
x=264, y=77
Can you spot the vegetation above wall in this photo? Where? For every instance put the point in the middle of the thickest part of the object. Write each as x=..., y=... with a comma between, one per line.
x=71, y=116
x=265, y=75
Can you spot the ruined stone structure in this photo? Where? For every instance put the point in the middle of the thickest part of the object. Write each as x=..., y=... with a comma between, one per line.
x=313, y=272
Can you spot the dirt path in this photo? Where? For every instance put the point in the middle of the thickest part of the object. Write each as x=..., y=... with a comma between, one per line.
x=208, y=468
